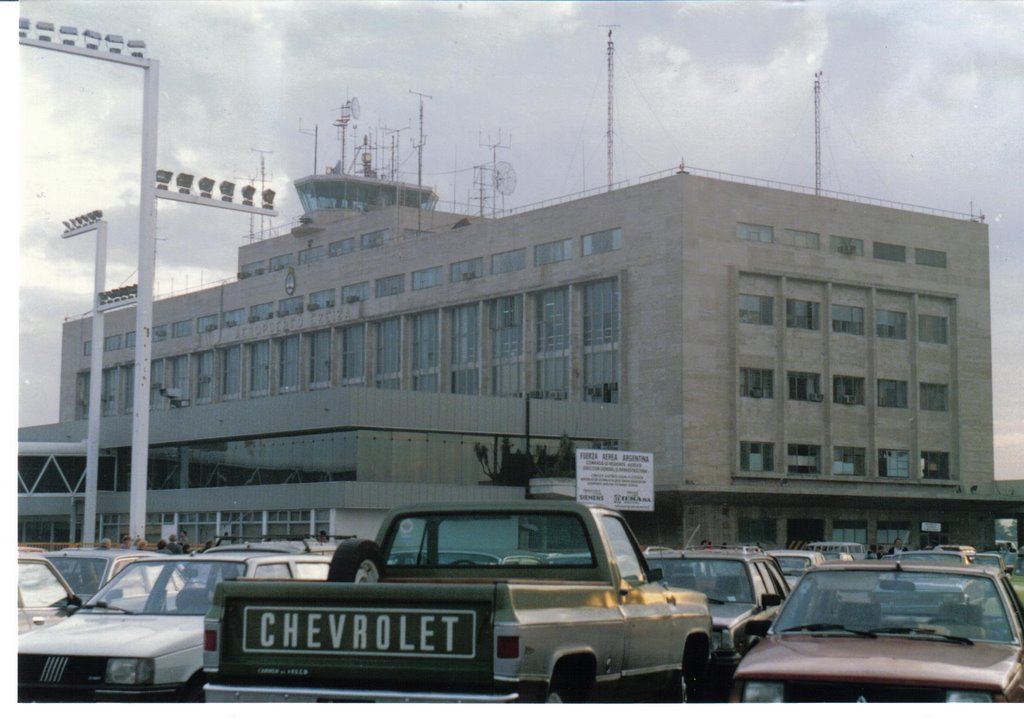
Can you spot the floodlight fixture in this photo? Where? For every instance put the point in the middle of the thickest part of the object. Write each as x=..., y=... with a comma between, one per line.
x=68, y=34
x=137, y=48
x=114, y=43
x=184, y=182
x=268, y=199
x=92, y=39
x=206, y=187
x=96, y=215
x=227, y=191
x=23, y=27
x=67, y=226
x=163, y=178
x=247, y=193
x=44, y=31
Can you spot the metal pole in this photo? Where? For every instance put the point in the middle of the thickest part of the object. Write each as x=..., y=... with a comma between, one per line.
x=92, y=453
x=144, y=307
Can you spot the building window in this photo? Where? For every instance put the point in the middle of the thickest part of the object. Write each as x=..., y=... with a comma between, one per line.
x=602, y=242
x=846, y=245
x=848, y=461
x=353, y=356
x=253, y=268
x=426, y=278
x=932, y=329
x=848, y=319
x=934, y=465
x=506, y=345
x=280, y=262
x=82, y=395
x=230, y=372
x=889, y=252
x=320, y=359
x=321, y=300
x=291, y=305
x=259, y=368
x=129, y=340
x=927, y=257
x=206, y=323
x=757, y=383
x=552, y=356
x=804, y=386
x=552, y=252
x=850, y=531
x=108, y=392
x=754, y=232
x=87, y=348
x=934, y=397
x=204, y=376
x=888, y=532
x=288, y=364
x=112, y=343
x=894, y=463
x=261, y=312
x=466, y=270
x=233, y=318
x=339, y=248
x=180, y=329
x=375, y=238
x=128, y=380
x=801, y=239
x=508, y=261
x=465, y=349
x=355, y=292
x=601, y=341
x=847, y=390
x=312, y=255
x=892, y=393
x=389, y=354
x=890, y=324
x=389, y=285
x=424, y=352
x=159, y=333
x=757, y=457
x=156, y=383
x=287, y=524
x=803, y=458
x=801, y=314
x=756, y=309
x=178, y=388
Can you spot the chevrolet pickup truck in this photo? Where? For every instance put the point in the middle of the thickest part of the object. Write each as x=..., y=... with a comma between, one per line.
x=526, y=602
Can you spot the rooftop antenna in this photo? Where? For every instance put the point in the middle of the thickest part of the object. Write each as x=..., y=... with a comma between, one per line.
x=611, y=104
x=263, y=186
x=503, y=176
x=817, y=133
x=349, y=111
x=395, y=149
x=418, y=145
x=316, y=141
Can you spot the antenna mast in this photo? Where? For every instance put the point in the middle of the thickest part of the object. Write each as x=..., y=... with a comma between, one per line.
x=263, y=186
x=347, y=112
x=418, y=144
x=611, y=105
x=316, y=142
x=817, y=133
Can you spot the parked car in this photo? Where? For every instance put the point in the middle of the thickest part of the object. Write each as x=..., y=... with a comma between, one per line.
x=941, y=557
x=795, y=562
x=740, y=587
x=855, y=549
x=44, y=597
x=993, y=560
x=950, y=633
x=140, y=637
x=87, y=570
x=307, y=545
x=1017, y=578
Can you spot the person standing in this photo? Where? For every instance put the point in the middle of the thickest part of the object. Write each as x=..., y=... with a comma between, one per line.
x=172, y=545
x=897, y=547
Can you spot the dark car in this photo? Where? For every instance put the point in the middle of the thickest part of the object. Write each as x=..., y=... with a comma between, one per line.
x=740, y=587
x=890, y=631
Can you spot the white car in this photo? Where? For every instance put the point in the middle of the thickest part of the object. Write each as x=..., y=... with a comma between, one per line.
x=88, y=569
x=795, y=563
x=44, y=597
x=140, y=638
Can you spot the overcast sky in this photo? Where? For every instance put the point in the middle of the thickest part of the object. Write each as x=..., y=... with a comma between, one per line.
x=922, y=103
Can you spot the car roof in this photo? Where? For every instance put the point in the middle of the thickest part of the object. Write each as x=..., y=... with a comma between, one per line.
x=793, y=553
x=712, y=554
x=99, y=552
x=290, y=547
x=895, y=564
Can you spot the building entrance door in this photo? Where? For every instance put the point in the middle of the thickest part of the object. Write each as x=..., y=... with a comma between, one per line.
x=802, y=531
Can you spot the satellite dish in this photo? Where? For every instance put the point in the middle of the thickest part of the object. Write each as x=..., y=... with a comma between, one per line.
x=504, y=178
x=354, y=103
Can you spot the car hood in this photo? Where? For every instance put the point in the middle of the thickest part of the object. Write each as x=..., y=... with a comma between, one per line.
x=113, y=634
x=727, y=615
x=883, y=660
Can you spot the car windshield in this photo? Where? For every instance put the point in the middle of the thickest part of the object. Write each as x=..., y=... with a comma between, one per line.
x=168, y=587
x=83, y=574
x=950, y=606
x=723, y=581
x=793, y=565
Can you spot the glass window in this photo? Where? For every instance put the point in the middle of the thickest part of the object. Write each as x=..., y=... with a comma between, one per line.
x=321, y=300
x=259, y=368
x=178, y=386
x=291, y=305
x=181, y=329
x=206, y=323
x=129, y=340
x=602, y=242
x=890, y=324
x=757, y=383
x=320, y=358
x=253, y=268
x=288, y=363
x=927, y=257
x=204, y=376
x=466, y=270
x=552, y=252
x=389, y=354
x=375, y=238
x=108, y=392
x=112, y=343
x=231, y=372
x=889, y=252
x=465, y=349
x=355, y=292
x=756, y=309
x=311, y=255
x=932, y=329
x=233, y=317
x=804, y=386
x=280, y=262
x=508, y=261
x=848, y=461
x=261, y=312
x=757, y=456
x=934, y=465
x=425, y=352
x=850, y=531
x=803, y=458
x=601, y=341
x=390, y=285
x=754, y=232
x=801, y=239
x=339, y=248
x=935, y=397
x=892, y=393
x=38, y=586
x=353, y=355
x=552, y=342
x=848, y=319
x=128, y=377
x=846, y=245
x=801, y=314
x=894, y=463
x=159, y=333
x=622, y=547
x=847, y=390
x=426, y=278
x=506, y=345
x=157, y=382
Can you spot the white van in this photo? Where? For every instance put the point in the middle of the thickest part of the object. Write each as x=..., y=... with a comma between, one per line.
x=855, y=549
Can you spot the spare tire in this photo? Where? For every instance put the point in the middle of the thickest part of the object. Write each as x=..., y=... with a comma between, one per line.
x=356, y=560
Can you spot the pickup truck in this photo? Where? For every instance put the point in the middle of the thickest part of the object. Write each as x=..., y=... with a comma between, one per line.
x=524, y=602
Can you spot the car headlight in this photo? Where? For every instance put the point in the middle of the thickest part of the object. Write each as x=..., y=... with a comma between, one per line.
x=763, y=691
x=129, y=671
x=721, y=640
x=967, y=696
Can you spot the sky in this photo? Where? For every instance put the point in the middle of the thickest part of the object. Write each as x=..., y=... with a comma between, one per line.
x=921, y=103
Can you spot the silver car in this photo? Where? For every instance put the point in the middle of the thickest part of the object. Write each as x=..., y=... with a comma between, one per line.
x=88, y=569
x=44, y=597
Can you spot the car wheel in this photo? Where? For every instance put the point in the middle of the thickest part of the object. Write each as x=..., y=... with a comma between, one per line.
x=356, y=561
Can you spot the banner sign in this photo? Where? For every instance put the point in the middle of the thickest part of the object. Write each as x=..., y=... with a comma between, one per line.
x=614, y=478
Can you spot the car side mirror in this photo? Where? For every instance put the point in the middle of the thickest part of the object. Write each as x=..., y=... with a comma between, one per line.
x=769, y=600
x=758, y=628
x=74, y=601
x=656, y=575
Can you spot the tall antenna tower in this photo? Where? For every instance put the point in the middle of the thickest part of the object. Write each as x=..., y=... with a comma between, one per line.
x=611, y=105
x=500, y=177
x=262, y=188
x=349, y=111
x=316, y=141
x=817, y=133
x=418, y=145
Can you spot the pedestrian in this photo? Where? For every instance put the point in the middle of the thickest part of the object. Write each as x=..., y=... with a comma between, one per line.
x=126, y=542
x=182, y=538
x=140, y=544
x=105, y=543
x=897, y=547
x=172, y=545
x=162, y=546
x=322, y=536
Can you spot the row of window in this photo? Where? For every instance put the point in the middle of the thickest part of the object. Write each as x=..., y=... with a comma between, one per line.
x=361, y=354
x=806, y=387
x=845, y=245
x=315, y=254
x=803, y=314
x=846, y=461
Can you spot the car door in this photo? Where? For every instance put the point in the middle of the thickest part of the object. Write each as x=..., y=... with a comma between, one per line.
x=42, y=595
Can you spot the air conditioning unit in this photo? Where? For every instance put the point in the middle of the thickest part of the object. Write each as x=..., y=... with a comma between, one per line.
x=846, y=248
x=210, y=327
x=467, y=275
x=159, y=333
x=330, y=303
x=756, y=393
x=179, y=403
x=849, y=399
x=230, y=323
x=353, y=299
x=243, y=275
x=253, y=318
x=815, y=397
x=313, y=307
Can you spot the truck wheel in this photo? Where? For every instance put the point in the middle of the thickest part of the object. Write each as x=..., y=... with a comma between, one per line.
x=356, y=561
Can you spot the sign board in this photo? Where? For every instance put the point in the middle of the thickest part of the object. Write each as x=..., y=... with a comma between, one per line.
x=614, y=478
x=931, y=527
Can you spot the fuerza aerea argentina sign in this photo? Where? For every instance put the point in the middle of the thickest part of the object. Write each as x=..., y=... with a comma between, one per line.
x=614, y=478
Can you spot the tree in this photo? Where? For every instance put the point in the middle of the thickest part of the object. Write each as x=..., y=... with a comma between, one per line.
x=508, y=467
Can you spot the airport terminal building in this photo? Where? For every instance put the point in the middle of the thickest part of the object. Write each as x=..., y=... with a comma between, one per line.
x=801, y=367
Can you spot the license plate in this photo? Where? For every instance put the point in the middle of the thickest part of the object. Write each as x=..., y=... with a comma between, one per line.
x=388, y=632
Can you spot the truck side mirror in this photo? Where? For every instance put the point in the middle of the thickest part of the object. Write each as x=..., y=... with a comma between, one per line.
x=770, y=600
x=758, y=628
x=656, y=575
